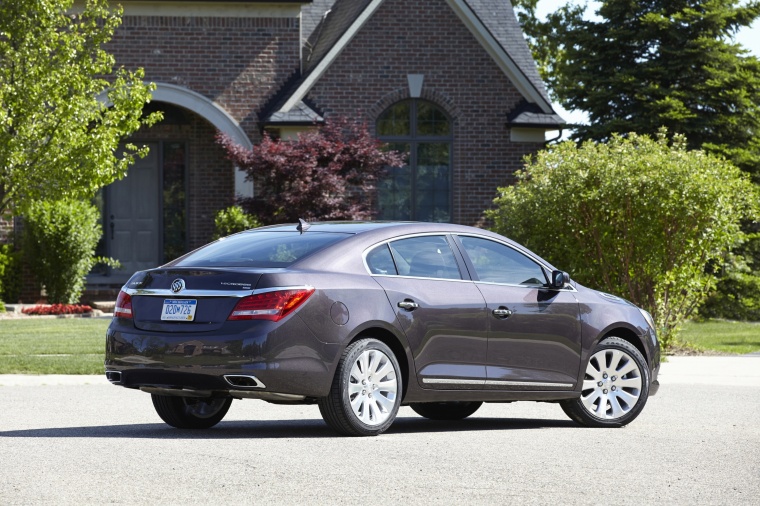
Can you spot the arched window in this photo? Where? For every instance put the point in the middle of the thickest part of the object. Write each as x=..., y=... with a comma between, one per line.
x=421, y=190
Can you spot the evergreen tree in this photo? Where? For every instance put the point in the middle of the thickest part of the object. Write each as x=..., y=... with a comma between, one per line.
x=647, y=64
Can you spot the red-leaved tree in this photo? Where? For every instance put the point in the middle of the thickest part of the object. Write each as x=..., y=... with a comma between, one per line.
x=326, y=174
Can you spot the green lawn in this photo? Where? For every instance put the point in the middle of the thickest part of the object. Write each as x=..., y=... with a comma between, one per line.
x=76, y=345
x=53, y=346
x=723, y=336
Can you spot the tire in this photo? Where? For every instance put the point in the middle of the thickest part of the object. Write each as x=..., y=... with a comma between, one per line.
x=615, y=386
x=446, y=410
x=366, y=391
x=191, y=412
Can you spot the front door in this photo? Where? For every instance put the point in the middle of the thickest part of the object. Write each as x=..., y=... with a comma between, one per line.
x=534, y=335
x=132, y=217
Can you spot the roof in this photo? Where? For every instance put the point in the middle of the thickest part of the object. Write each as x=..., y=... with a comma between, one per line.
x=329, y=25
x=531, y=116
x=499, y=19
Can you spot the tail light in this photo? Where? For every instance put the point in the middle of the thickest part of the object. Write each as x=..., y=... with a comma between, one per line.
x=273, y=306
x=123, y=307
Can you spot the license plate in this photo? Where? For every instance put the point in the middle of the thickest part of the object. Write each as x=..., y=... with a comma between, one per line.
x=179, y=310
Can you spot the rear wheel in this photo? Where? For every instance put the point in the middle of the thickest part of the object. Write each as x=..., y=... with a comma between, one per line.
x=366, y=391
x=191, y=412
x=615, y=386
x=446, y=410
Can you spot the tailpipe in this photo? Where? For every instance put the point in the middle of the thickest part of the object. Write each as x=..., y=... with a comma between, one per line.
x=114, y=377
x=243, y=381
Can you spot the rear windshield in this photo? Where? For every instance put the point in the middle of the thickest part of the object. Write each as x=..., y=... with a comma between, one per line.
x=260, y=249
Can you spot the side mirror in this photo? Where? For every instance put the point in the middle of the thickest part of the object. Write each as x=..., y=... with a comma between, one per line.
x=559, y=279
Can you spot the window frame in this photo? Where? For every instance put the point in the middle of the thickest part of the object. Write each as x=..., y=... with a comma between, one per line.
x=414, y=140
x=464, y=272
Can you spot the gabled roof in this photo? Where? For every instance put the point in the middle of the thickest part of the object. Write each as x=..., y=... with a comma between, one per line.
x=329, y=25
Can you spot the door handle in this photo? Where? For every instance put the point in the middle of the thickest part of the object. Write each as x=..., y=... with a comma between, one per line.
x=408, y=304
x=502, y=312
x=112, y=227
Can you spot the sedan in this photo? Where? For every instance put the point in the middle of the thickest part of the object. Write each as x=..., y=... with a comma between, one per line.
x=362, y=317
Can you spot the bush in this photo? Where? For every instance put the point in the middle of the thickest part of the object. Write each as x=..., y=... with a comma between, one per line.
x=634, y=217
x=326, y=174
x=737, y=294
x=60, y=240
x=10, y=273
x=232, y=220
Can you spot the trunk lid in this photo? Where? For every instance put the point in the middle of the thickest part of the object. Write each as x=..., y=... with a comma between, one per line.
x=187, y=299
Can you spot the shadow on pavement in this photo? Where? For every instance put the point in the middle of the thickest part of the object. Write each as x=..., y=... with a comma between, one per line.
x=278, y=429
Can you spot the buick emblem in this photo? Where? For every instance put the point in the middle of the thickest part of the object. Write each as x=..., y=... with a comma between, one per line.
x=178, y=285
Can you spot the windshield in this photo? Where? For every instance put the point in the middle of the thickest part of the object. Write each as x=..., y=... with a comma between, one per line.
x=260, y=249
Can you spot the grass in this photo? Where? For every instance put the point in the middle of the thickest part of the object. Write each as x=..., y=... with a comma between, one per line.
x=722, y=336
x=76, y=345
x=53, y=346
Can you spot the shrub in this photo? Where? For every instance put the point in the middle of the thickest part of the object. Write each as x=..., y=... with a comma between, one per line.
x=232, y=220
x=326, y=174
x=634, y=217
x=737, y=294
x=10, y=273
x=60, y=240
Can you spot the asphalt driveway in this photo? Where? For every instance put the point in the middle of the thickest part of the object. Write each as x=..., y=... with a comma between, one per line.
x=80, y=440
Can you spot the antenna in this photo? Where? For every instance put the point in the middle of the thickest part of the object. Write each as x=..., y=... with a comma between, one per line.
x=303, y=225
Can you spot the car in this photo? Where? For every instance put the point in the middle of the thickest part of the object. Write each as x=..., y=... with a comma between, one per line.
x=363, y=317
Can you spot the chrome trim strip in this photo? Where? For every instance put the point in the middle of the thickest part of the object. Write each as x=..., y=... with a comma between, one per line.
x=208, y=293
x=453, y=381
x=527, y=384
x=420, y=277
x=163, y=292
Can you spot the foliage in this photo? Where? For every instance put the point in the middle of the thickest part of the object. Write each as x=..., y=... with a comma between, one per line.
x=59, y=240
x=10, y=273
x=52, y=345
x=232, y=220
x=326, y=174
x=644, y=65
x=737, y=294
x=63, y=109
x=57, y=309
x=634, y=217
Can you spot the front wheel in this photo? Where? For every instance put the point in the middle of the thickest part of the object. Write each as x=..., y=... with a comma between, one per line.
x=445, y=410
x=191, y=412
x=615, y=386
x=366, y=391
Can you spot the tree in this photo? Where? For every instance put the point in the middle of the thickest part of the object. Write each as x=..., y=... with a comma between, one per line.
x=63, y=109
x=635, y=217
x=648, y=64
x=326, y=174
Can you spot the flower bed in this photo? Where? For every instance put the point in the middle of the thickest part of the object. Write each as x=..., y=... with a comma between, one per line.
x=57, y=309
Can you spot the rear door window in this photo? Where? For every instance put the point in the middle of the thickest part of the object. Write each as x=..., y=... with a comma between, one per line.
x=425, y=257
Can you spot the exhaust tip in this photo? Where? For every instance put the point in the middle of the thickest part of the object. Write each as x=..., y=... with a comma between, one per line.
x=113, y=376
x=243, y=381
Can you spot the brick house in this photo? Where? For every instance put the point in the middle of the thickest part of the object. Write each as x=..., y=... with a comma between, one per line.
x=450, y=81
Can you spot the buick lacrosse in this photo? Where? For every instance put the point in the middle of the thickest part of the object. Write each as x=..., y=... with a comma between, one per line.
x=362, y=317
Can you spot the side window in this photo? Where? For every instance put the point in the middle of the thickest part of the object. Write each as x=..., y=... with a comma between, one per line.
x=496, y=263
x=380, y=261
x=425, y=257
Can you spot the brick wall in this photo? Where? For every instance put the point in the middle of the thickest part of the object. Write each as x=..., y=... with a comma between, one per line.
x=426, y=37
x=239, y=63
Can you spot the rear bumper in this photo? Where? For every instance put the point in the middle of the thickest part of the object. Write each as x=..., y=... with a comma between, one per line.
x=283, y=359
